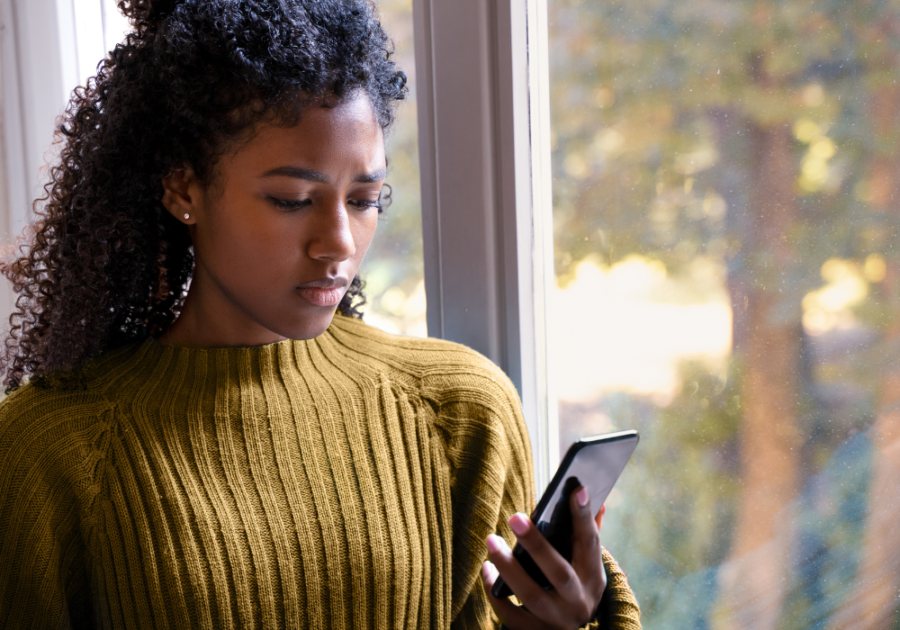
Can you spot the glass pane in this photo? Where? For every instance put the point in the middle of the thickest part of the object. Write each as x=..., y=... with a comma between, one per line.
x=393, y=270
x=728, y=281
x=115, y=25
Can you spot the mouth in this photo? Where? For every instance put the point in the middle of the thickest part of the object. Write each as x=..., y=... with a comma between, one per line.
x=326, y=292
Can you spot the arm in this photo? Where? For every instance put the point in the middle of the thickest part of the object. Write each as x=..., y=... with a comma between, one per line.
x=489, y=456
x=41, y=551
x=488, y=453
x=619, y=607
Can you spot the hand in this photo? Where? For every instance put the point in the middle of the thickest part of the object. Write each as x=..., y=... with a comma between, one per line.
x=577, y=587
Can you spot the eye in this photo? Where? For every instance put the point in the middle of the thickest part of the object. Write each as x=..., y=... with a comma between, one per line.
x=365, y=204
x=289, y=204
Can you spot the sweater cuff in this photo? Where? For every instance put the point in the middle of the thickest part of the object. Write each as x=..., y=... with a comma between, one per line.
x=618, y=609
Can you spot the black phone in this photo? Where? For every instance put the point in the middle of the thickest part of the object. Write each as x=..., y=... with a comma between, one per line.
x=594, y=462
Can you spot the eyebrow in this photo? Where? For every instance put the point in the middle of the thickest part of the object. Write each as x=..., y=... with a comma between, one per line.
x=315, y=176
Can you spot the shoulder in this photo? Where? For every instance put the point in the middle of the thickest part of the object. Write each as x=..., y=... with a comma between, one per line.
x=443, y=371
x=476, y=408
x=46, y=404
x=47, y=425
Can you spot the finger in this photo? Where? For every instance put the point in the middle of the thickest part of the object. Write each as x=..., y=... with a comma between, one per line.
x=587, y=557
x=554, y=566
x=489, y=575
x=505, y=609
x=531, y=594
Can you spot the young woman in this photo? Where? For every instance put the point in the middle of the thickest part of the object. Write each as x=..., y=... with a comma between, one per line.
x=194, y=438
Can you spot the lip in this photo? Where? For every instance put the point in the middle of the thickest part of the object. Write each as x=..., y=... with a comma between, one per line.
x=325, y=292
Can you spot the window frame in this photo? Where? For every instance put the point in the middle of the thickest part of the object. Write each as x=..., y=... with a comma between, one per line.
x=46, y=48
x=38, y=60
x=484, y=147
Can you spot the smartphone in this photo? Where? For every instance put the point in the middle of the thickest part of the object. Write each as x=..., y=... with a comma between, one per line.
x=594, y=462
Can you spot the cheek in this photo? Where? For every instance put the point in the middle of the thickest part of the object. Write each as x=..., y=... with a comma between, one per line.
x=364, y=232
x=249, y=252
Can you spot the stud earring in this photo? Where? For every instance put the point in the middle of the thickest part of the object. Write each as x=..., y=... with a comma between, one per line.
x=186, y=216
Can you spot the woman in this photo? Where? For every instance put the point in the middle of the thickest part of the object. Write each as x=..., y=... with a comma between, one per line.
x=202, y=442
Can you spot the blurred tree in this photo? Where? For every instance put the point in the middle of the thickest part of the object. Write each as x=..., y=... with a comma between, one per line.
x=743, y=131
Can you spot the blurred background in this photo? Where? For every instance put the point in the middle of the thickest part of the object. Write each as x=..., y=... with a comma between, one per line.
x=394, y=271
x=726, y=179
x=728, y=282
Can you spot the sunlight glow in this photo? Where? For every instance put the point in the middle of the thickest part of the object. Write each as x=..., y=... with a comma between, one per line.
x=115, y=25
x=400, y=313
x=806, y=130
x=830, y=307
x=875, y=268
x=608, y=141
x=617, y=332
x=814, y=168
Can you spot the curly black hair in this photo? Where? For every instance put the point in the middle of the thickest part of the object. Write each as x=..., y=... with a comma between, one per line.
x=107, y=264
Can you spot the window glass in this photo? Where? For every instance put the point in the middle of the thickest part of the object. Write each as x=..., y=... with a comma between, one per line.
x=115, y=25
x=726, y=177
x=393, y=270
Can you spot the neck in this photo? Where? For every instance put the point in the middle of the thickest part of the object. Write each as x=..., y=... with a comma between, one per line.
x=210, y=320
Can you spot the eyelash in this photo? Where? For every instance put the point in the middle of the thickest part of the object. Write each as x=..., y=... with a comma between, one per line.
x=293, y=204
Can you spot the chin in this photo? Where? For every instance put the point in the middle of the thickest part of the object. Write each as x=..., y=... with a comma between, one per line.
x=310, y=327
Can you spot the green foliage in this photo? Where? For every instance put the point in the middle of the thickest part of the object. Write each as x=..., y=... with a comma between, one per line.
x=653, y=104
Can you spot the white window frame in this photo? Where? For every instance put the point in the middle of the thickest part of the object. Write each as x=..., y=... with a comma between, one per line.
x=47, y=47
x=484, y=147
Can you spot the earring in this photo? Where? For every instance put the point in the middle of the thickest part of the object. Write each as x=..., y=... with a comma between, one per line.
x=186, y=216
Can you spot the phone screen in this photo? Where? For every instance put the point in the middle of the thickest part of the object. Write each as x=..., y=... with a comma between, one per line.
x=595, y=462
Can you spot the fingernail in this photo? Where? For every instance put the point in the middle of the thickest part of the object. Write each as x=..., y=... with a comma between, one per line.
x=495, y=544
x=519, y=524
x=581, y=495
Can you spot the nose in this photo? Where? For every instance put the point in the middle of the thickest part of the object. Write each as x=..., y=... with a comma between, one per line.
x=331, y=238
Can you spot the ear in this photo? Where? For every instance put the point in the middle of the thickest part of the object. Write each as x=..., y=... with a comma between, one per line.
x=181, y=195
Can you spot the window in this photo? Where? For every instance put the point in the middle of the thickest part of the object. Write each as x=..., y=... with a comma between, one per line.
x=724, y=181
x=393, y=272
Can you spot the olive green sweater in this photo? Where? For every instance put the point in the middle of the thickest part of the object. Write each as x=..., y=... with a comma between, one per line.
x=348, y=481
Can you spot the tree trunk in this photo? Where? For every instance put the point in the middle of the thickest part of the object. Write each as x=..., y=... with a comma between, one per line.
x=754, y=581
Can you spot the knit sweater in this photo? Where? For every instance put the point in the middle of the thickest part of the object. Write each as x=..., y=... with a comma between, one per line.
x=346, y=481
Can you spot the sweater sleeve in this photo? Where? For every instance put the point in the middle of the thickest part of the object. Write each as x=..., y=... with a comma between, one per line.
x=489, y=456
x=43, y=579
x=619, y=607
x=491, y=479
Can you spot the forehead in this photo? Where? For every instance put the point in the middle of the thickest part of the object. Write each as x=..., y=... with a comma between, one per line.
x=326, y=135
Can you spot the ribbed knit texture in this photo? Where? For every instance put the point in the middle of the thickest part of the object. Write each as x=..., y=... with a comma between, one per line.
x=347, y=481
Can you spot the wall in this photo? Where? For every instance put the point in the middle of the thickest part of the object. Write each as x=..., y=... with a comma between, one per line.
x=47, y=47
